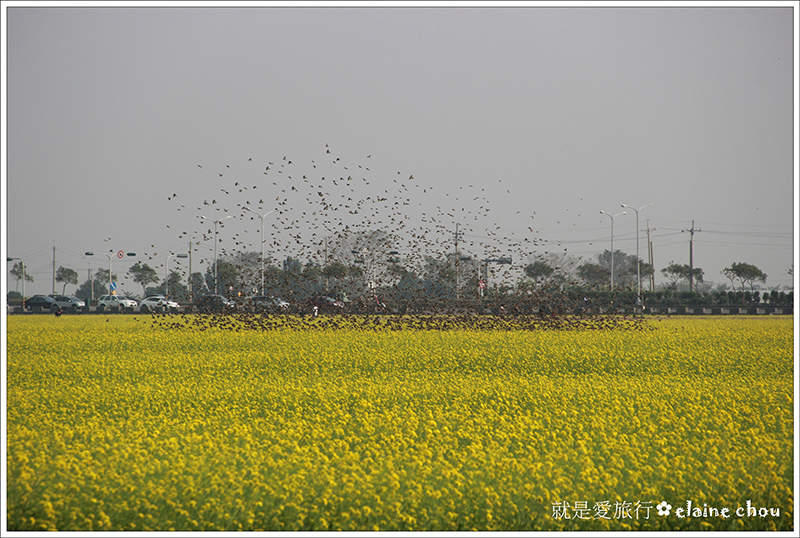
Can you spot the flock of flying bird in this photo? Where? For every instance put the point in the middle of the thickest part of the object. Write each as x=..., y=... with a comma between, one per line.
x=327, y=200
x=326, y=206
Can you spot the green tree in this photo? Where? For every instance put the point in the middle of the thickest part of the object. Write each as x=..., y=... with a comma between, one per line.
x=143, y=274
x=538, y=270
x=364, y=254
x=312, y=274
x=750, y=274
x=198, y=285
x=228, y=274
x=67, y=276
x=745, y=273
x=101, y=276
x=624, y=267
x=94, y=288
x=729, y=274
x=177, y=290
x=675, y=273
x=600, y=272
x=312, y=271
x=290, y=265
x=564, y=266
x=366, y=244
x=18, y=273
x=249, y=270
x=593, y=273
x=335, y=270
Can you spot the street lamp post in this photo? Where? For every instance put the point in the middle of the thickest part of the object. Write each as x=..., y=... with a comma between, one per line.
x=262, y=243
x=110, y=256
x=638, y=274
x=216, y=272
x=369, y=270
x=485, y=268
x=612, y=242
x=110, y=291
x=91, y=281
x=23, y=278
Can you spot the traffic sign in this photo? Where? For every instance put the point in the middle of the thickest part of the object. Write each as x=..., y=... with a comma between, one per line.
x=120, y=254
x=113, y=286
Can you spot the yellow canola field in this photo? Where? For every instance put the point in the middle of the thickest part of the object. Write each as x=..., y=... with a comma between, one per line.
x=116, y=423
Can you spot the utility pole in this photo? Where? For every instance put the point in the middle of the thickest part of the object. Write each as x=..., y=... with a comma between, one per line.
x=650, y=257
x=484, y=277
x=691, y=231
x=191, y=289
x=325, y=265
x=54, y=267
x=455, y=260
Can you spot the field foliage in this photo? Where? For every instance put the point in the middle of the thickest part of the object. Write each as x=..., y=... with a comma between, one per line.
x=194, y=423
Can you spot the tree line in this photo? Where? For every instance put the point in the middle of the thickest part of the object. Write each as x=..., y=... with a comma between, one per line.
x=364, y=270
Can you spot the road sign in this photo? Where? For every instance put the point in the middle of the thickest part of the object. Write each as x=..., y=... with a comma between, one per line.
x=113, y=286
x=482, y=284
x=120, y=254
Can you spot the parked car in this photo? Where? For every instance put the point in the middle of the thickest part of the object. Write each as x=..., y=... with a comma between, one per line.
x=325, y=305
x=265, y=303
x=108, y=301
x=214, y=303
x=158, y=303
x=72, y=304
x=45, y=303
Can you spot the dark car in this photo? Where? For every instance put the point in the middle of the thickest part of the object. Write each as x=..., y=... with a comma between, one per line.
x=265, y=304
x=214, y=303
x=45, y=303
x=325, y=305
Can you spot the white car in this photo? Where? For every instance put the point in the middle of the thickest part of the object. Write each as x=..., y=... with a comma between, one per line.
x=109, y=301
x=158, y=303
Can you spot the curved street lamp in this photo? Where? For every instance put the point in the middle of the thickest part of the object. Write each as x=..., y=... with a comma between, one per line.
x=216, y=272
x=261, y=292
x=612, y=242
x=638, y=274
x=505, y=260
x=110, y=257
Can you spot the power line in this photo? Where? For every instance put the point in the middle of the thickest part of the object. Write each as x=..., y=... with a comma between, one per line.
x=752, y=234
x=753, y=245
x=735, y=225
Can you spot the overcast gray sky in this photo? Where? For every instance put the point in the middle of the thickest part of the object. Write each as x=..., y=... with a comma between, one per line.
x=518, y=123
